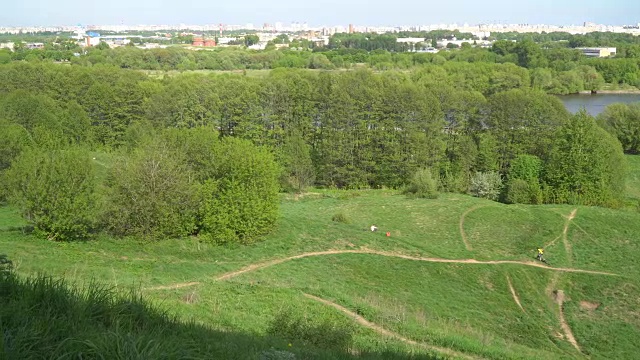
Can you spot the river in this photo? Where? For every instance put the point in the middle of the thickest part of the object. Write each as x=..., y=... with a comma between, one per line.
x=595, y=104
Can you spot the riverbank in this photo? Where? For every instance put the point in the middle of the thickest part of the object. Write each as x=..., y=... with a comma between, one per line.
x=625, y=91
x=596, y=103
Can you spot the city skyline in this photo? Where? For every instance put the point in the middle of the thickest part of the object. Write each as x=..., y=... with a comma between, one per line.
x=330, y=12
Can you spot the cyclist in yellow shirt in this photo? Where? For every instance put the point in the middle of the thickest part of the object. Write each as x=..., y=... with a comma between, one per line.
x=541, y=255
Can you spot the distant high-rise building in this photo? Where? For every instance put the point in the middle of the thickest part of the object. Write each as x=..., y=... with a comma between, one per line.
x=351, y=30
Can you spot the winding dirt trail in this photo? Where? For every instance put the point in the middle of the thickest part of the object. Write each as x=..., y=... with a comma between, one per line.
x=461, y=225
x=559, y=299
x=266, y=264
x=382, y=331
x=513, y=292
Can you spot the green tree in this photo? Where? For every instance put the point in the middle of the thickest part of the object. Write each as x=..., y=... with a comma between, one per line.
x=150, y=194
x=55, y=191
x=239, y=200
x=523, y=185
x=586, y=165
x=523, y=122
x=623, y=122
x=251, y=39
x=295, y=158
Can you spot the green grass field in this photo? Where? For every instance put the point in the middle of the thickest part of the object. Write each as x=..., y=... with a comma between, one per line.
x=393, y=295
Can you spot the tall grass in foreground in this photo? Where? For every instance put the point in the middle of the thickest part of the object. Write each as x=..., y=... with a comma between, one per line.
x=45, y=318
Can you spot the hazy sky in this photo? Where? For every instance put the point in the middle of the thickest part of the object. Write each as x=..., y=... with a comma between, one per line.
x=318, y=12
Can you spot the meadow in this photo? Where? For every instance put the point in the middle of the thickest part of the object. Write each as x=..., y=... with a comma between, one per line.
x=455, y=278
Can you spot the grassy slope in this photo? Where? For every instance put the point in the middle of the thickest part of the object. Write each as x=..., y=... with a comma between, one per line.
x=466, y=307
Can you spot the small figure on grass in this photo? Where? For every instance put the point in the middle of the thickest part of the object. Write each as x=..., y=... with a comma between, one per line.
x=541, y=255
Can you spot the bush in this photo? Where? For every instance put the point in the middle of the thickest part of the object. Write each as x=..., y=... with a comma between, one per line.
x=486, y=185
x=150, y=194
x=518, y=192
x=239, y=201
x=423, y=185
x=341, y=218
x=55, y=191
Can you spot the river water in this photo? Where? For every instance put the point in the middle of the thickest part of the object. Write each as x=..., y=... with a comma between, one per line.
x=595, y=104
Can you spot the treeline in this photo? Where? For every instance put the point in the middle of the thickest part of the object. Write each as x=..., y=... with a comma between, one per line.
x=556, y=71
x=206, y=154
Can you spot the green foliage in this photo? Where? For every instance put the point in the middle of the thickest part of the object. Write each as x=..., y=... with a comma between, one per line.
x=6, y=266
x=523, y=185
x=150, y=194
x=44, y=317
x=523, y=122
x=518, y=192
x=525, y=167
x=239, y=199
x=251, y=39
x=293, y=326
x=295, y=159
x=586, y=165
x=13, y=140
x=623, y=122
x=340, y=218
x=423, y=185
x=55, y=191
x=487, y=185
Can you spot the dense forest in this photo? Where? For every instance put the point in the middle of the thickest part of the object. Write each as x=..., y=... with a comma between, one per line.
x=207, y=154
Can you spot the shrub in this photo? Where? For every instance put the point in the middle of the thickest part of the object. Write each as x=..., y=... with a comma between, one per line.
x=55, y=191
x=486, y=185
x=239, y=199
x=150, y=194
x=341, y=218
x=518, y=192
x=423, y=185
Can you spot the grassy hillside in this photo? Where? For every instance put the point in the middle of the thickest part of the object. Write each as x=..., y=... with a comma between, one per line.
x=319, y=284
x=633, y=179
x=468, y=308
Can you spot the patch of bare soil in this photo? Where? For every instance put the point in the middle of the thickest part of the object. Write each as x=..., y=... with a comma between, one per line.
x=513, y=292
x=590, y=306
x=560, y=298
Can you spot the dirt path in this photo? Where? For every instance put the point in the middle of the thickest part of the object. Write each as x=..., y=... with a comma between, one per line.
x=382, y=331
x=461, y=225
x=559, y=299
x=266, y=264
x=567, y=245
x=565, y=232
x=513, y=292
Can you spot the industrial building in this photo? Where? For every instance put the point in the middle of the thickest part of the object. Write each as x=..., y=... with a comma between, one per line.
x=598, y=52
